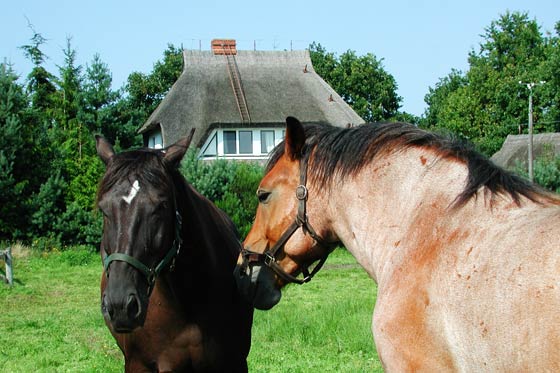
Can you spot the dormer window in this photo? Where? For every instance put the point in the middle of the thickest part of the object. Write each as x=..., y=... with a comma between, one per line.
x=155, y=140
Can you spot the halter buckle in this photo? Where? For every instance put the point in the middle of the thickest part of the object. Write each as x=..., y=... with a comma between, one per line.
x=268, y=259
x=301, y=192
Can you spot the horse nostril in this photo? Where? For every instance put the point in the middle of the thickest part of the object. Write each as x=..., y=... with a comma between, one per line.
x=133, y=306
x=106, y=307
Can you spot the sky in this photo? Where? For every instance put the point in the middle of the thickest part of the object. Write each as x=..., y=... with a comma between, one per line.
x=419, y=42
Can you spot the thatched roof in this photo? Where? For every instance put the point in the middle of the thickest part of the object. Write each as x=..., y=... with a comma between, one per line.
x=515, y=149
x=277, y=84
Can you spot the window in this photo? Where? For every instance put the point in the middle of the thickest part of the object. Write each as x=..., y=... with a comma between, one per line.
x=245, y=142
x=267, y=141
x=211, y=150
x=229, y=142
x=155, y=140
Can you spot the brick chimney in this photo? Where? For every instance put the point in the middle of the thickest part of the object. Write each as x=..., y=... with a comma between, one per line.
x=224, y=46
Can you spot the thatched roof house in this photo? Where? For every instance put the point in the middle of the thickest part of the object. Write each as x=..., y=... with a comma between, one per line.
x=515, y=149
x=238, y=101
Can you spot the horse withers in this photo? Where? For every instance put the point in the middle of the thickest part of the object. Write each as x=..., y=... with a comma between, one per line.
x=167, y=291
x=466, y=255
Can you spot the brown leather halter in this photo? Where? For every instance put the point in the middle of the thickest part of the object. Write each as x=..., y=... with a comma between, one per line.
x=268, y=257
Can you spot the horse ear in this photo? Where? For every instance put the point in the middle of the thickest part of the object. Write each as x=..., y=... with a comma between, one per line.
x=104, y=148
x=295, y=138
x=175, y=153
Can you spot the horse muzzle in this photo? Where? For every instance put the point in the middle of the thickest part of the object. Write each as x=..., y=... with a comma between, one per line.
x=257, y=283
x=124, y=311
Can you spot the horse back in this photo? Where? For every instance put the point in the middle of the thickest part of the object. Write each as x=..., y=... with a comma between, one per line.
x=480, y=290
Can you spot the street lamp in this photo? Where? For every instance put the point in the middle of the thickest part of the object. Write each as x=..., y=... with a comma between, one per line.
x=530, y=86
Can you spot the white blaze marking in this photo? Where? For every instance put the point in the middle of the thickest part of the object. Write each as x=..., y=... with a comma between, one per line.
x=133, y=191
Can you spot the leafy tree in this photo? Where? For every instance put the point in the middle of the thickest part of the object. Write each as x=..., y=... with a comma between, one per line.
x=360, y=80
x=487, y=103
x=146, y=91
x=549, y=93
x=436, y=97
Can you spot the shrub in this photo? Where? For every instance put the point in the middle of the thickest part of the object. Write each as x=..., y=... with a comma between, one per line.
x=546, y=171
x=239, y=201
x=230, y=185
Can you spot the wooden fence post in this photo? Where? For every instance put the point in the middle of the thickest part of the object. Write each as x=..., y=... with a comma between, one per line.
x=7, y=256
x=8, y=259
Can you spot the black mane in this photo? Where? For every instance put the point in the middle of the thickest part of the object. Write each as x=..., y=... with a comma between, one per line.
x=344, y=152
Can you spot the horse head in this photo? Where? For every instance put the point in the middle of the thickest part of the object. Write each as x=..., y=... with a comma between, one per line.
x=282, y=242
x=141, y=228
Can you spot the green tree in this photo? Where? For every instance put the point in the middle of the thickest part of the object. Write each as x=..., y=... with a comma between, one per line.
x=107, y=111
x=436, y=97
x=549, y=93
x=487, y=103
x=97, y=94
x=68, y=101
x=360, y=80
x=13, y=107
x=39, y=81
x=145, y=92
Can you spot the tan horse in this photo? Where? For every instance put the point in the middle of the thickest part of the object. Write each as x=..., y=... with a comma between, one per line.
x=466, y=256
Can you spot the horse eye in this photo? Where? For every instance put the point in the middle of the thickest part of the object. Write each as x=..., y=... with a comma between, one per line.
x=263, y=196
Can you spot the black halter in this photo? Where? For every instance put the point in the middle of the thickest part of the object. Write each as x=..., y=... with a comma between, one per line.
x=151, y=273
x=268, y=257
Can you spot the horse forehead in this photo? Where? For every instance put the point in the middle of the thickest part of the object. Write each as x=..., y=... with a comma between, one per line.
x=132, y=191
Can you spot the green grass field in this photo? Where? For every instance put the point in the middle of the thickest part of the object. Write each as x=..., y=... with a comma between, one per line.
x=50, y=320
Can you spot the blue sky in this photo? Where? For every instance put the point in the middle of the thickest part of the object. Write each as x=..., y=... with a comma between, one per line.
x=418, y=41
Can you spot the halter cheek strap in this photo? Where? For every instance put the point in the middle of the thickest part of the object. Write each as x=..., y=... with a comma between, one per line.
x=301, y=221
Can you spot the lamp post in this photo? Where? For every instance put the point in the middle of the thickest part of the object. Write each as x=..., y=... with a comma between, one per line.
x=530, y=86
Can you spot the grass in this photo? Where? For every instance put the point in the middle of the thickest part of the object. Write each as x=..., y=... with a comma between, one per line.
x=50, y=320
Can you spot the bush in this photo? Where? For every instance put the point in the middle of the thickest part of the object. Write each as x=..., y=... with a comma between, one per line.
x=230, y=185
x=46, y=244
x=80, y=226
x=546, y=171
x=240, y=201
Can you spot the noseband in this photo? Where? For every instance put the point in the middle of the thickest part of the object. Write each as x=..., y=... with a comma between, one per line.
x=268, y=257
x=151, y=273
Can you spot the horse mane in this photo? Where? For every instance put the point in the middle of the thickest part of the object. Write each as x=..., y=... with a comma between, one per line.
x=342, y=152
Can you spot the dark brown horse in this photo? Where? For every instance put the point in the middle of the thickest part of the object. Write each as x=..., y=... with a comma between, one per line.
x=168, y=294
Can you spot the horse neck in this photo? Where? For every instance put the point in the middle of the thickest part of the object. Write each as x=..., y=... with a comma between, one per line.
x=374, y=211
x=206, y=232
